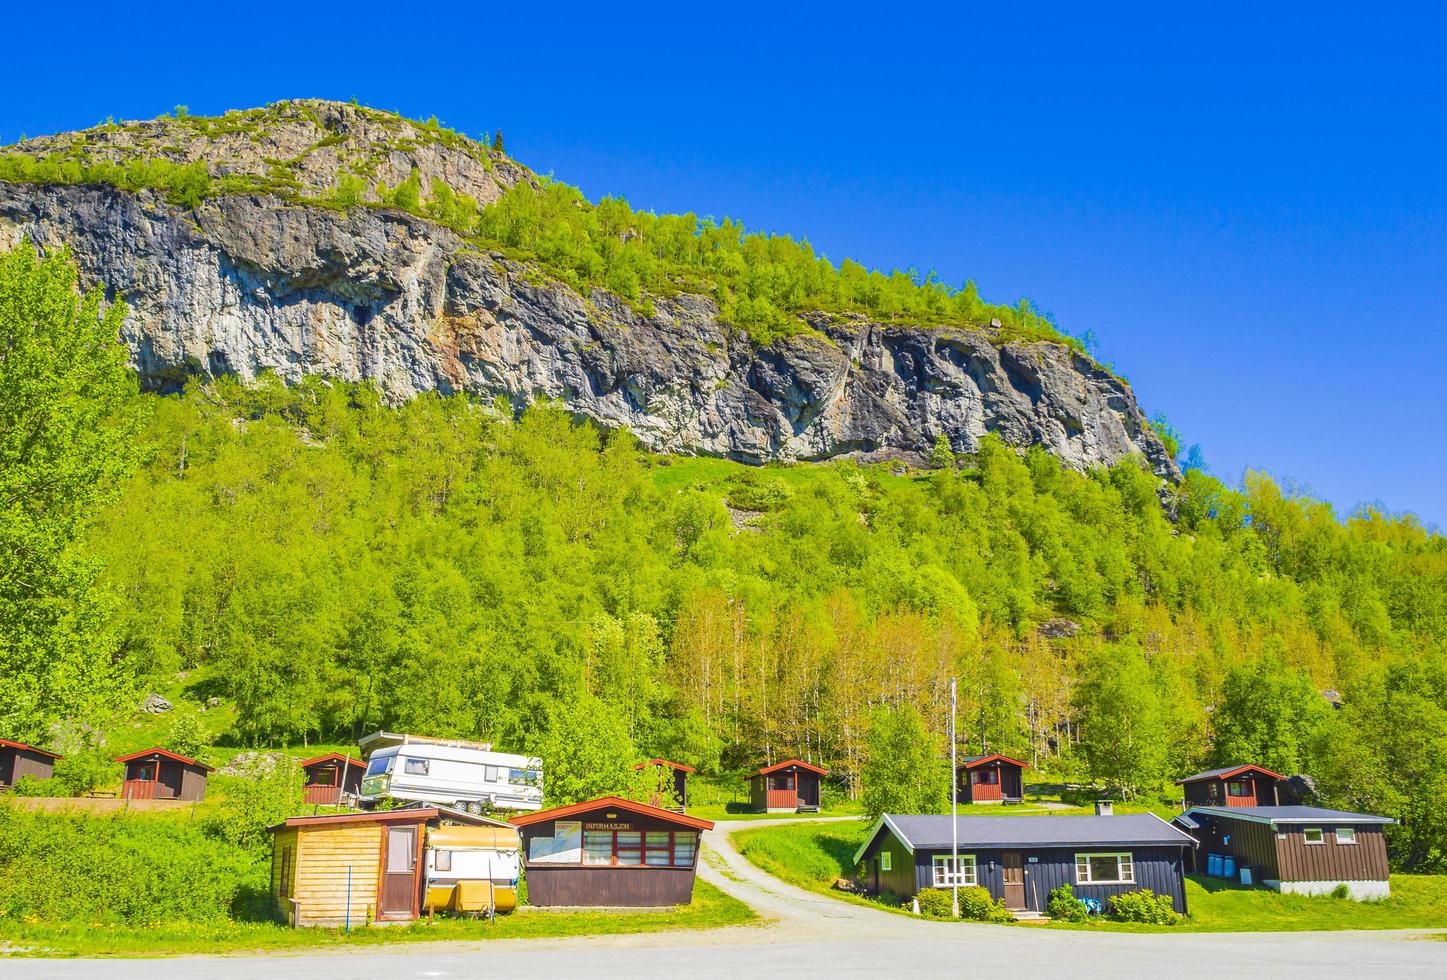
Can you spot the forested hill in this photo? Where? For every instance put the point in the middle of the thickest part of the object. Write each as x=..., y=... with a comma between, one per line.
x=315, y=237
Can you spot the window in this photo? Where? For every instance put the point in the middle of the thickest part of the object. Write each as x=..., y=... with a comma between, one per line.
x=324, y=777
x=885, y=861
x=489, y=773
x=658, y=848
x=1104, y=869
x=442, y=860
x=685, y=846
x=629, y=848
x=1237, y=788
x=415, y=767
x=945, y=874
x=380, y=766
x=285, y=890
x=145, y=772
x=1346, y=835
x=987, y=777
x=597, y=847
x=525, y=777
x=784, y=782
x=400, y=842
x=1314, y=835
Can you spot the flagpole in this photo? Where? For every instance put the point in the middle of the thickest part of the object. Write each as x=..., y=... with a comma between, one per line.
x=954, y=816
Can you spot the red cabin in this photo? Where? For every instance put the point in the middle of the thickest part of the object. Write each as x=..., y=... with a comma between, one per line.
x=1232, y=786
x=679, y=802
x=158, y=774
x=991, y=778
x=791, y=786
x=18, y=759
x=327, y=778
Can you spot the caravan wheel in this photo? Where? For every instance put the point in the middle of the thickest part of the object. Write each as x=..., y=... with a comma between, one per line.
x=474, y=808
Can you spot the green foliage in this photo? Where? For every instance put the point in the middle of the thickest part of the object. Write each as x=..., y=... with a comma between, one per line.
x=351, y=190
x=1341, y=891
x=906, y=770
x=977, y=905
x=185, y=185
x=253, y=804
x=942, y=456
x=935, y=903
x=29, y=785
x=1063, y=906
x=497, y=144
x=1169, y=435
x=586, y=753
x=408, y=194
x=188, y=737
x=119, y=869
x=1270, y=715
x=86, y=770
x=1144, y=906
x=1125, y=737
x=68, y=416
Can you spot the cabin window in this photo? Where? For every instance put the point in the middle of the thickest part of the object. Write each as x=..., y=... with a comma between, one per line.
x=658, y=848
x=629, y=848
x=885, y=861
x=784, y=782
x=489, y=773
x=442, y=860
x=1346, y=835
x=145, y=772
x=597, y=847
x=685, y=846
x=1236, y=788
x=947, y=873
x=324, y=777
x=415, y=767
x=1314, y=835
x=987, y=777
x=634, y=848
x=285, y=889
x=1104, y=869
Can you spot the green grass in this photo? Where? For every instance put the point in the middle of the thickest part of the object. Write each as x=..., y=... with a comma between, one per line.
x=710, y=909
x=813, y=856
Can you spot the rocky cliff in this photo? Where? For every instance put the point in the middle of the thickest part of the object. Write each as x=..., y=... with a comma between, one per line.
x=250, y=281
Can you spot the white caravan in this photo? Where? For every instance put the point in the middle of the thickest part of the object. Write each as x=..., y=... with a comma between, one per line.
x=466, y=775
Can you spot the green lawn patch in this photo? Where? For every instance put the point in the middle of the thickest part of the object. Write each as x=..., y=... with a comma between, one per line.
x=814, y=856
x=710, y=909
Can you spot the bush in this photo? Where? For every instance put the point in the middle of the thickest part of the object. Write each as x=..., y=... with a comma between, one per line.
x=976, y=904
x=1063, y=906
x=126, y=869
x=28, y=785
x=85, y=771
x=935, y=902
x=252, y=805
x=1144, y=906
x=1341, y=891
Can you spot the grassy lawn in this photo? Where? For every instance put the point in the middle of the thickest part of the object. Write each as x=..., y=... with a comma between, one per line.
x=814, y=856
x=710, y=909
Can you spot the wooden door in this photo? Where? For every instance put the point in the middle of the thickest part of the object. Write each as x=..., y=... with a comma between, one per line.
x=399, y=875
x=1014, y=870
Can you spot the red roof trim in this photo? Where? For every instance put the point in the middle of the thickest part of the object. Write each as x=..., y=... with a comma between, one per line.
x=1227, y=775
x=168, y=754
x=790, y=762
x=664, y=762
x=339, y=757
x=28, y=748
x=991, y=758
x=611, y=803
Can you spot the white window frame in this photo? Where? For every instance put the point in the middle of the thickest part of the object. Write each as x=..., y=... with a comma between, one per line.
x=1306, y=833
x=884, y=861
x=965, y=876
x=1124, y=868
x=1351, y=837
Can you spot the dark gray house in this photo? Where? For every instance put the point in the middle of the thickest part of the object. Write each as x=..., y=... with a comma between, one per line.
x=1300, y=850
x=1020, y=859
x=18, y=759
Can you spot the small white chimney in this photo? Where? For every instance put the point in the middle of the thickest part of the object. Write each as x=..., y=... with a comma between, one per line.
x=1104, y=808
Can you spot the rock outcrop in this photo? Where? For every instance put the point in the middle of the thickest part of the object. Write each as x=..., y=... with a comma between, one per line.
x=247, y=283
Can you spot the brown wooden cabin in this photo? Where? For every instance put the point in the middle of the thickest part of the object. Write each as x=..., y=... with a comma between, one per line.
x=327, y=778
x=158, y=774
x=680, y=783
x=791, y=786
x=337, y=869
x=18, y=759
x=991, y=778
x=1232, y=786
x=1302, y=850
x=610, y=852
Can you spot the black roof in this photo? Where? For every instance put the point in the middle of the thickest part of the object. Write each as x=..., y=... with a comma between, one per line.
x=932, y=832
x=1289, y=814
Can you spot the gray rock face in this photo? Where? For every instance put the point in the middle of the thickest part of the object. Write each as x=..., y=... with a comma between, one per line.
x=154, y=704
x=245, y=284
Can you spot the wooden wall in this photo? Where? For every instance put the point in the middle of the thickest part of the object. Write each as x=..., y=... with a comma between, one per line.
x=15, y=763
x=1366, y=860
x=319, y=878
x=1250, y=843
x=632, y=887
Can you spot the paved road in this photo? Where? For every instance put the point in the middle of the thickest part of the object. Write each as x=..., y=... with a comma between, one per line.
x=812, y=935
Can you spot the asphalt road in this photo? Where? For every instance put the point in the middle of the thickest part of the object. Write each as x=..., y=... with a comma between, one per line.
x=811, y=935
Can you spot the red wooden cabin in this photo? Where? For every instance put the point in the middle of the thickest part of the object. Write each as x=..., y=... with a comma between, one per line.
x=158, y=774
x=18, y=759
x=1232, y=786
x=679, y=802
x=991, y=778
x=791, y=786
x=328, y=777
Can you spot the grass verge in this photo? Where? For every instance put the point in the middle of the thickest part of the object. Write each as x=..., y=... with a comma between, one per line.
x=814, y=856
x=710, y=909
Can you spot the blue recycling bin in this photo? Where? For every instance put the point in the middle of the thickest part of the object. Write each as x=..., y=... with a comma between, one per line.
x=1229, y=869
x=1213, y=865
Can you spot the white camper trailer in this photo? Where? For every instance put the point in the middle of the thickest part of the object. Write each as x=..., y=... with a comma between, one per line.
x=465, y=775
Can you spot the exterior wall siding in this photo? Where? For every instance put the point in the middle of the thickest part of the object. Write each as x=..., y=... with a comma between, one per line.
x=1251, y=844
x=319, y=879
x=633, y=886
x=15, y=763
x=1283, y=854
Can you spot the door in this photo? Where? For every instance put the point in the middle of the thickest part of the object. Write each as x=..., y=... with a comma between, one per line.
x=1014, y=871
x=399, y=877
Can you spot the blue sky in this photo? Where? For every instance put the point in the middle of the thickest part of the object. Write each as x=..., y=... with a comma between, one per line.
x=1246, y=203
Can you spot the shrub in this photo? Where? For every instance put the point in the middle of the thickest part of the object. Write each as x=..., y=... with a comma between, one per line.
x=85, y=771
x=1063, y=906
x=976, y=904
x=252, y=805
x=935, y=902
x=28, y=785
x=1144, y=906
x=188, y=737
x=1341, y=891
